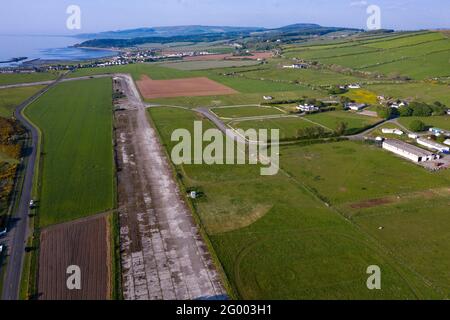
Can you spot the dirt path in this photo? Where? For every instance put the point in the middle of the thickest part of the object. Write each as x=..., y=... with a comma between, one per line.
x=163, y=254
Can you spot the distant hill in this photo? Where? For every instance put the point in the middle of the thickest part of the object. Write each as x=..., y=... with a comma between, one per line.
x=167, y=32
x=163, y=35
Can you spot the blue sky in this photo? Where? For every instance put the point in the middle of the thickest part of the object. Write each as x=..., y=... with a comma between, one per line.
x=49, y=16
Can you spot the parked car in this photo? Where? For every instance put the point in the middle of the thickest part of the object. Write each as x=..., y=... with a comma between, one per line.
x=32, y=204
x=3, y=232
x=1, y=249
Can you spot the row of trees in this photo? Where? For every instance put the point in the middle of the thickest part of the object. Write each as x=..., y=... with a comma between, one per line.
x=414, y=109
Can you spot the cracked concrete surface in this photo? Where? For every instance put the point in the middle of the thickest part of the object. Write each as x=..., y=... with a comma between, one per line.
x=163, y=254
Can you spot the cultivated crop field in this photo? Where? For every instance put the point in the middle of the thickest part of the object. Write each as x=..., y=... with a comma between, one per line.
x=189, y=87
x=277, y=239
x=11, y=98
x=355, y=122
x=84, y=243
x=77, y=174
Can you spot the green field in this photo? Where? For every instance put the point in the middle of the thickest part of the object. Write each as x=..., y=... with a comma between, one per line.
x=416, y=55
x=77, y=177
x=276, y=238
x=355, y=122
x=237, y=99
x=205, y=65
x=426, y=92
x=16, y=78
x=11, y=98
x=246, y=111
x=442, y=122
x=288, y=126
x=307, y=76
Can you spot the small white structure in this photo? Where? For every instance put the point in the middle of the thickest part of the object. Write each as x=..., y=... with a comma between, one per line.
x=409, y=151
x=398, y=105
x=296, y=66
x=355, y=106
x=393, y=131
x=267, y=98
x=433, y=145
x=439, y=132
x=193, y=195
x=354, y=86
x=380, y=139
x=307, y=108
x=447, y=142
x=413, y=136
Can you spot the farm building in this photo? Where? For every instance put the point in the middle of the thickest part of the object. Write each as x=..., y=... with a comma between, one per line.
x=439, y=132
x=267, y=98
x=296, y=66
x=354, y=86
x=409, y=151
x=397, y=105
x=433, y=145
x=413, y=136
x=307, y=108
x=392, y=131
x=355, y=106
x=447, y=142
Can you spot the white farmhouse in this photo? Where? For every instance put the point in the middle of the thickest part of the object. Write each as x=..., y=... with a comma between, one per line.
x=433, y=145
x=354, y=86
x=355, y=106
x=307, y=108
x=409, y=151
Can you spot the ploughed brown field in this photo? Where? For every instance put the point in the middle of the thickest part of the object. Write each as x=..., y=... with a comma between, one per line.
x=190, y=87
x=84, y=243
x=212, y=57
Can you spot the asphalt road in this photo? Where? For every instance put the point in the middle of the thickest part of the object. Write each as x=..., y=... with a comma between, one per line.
x=18, y=228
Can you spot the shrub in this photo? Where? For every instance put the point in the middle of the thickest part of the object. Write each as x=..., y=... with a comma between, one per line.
x=417, y=126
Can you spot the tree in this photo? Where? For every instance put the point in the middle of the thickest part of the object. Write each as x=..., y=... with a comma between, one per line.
x=405, y=111
x=341, y=128
x=421, y=109
x=384, y=112
x=417, y=126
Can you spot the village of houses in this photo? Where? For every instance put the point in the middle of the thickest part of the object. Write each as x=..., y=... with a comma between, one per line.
x=420, y=148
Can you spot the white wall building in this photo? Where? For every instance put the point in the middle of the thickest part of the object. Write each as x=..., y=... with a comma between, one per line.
x=392, y=131
x=267, y=98
x=447, y=142
x=354, y=86
x=307, y=108
x=433, y=145
x=355, y=106
x=409, y=151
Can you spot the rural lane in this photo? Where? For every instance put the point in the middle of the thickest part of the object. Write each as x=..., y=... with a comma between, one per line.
x=19, y=226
